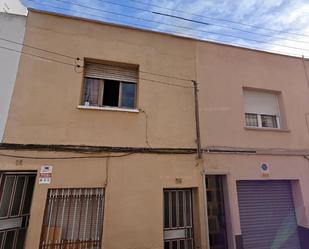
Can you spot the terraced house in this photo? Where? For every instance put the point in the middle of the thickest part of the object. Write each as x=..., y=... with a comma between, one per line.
x=123, y=138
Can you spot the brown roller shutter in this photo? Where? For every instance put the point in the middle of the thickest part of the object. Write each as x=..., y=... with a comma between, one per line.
x=111, y=72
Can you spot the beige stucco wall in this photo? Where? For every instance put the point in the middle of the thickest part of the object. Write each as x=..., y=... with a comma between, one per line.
x=247, y=167
x=133, y=209
x=223, y=71
x=57, y=87
x=44, y=111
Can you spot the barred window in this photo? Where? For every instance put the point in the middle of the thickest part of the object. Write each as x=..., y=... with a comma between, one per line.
x=269, y=121
x=251, y=119
x=73, y=219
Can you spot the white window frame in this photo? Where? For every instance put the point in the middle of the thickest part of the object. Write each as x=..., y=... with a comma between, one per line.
x=259, y=120
x=259, y=115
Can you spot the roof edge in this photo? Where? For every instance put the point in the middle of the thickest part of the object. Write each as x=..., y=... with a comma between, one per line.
x=12, y=14
x=165, y=34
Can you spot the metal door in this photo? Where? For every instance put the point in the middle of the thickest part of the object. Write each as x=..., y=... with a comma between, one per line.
x=178, y=219
x=267, y=215
x=15, y=201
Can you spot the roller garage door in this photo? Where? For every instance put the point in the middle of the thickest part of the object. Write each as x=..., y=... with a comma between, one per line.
x=267, y=215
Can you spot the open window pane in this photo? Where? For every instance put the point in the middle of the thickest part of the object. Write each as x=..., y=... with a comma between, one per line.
x=269, y=121
x=110, y=85
x=92, y=92
x=111, y=93
x=128, y=95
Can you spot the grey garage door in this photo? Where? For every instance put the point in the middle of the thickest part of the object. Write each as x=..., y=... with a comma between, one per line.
x=267, y=215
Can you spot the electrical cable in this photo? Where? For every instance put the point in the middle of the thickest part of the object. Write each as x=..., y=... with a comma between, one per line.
x=33, y=47
x=219, y=19
x=205, y=23
x=66, y=158
x=39, y=56
x=165, y=83
x=78, y=59
x=167, y=76
x=182, y=27
x=160, y=82
x=200, y=22
x=94, y=150
x=78, y=66
x=202, y=38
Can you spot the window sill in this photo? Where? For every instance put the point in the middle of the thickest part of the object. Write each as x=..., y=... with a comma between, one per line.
x=106, y=108
x=266, y=129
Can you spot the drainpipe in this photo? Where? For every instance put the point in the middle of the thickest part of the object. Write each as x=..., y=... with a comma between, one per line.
x=197, y=120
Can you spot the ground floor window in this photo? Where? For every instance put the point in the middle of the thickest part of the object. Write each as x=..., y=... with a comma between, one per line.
x=73, y=219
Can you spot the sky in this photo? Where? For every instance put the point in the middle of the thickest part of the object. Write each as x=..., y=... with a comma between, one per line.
x=12, y=6
x=280, y=26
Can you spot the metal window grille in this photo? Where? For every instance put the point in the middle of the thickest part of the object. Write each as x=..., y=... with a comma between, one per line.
x=251, y=119
x=262, y=120
x=178, y=222
x=269, y=121
x=73, y=219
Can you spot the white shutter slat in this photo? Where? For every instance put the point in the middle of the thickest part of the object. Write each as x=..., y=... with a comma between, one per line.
x=109, y=72
x=261, y=103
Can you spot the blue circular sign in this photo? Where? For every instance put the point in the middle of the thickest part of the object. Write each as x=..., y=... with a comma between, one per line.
x=264, y=167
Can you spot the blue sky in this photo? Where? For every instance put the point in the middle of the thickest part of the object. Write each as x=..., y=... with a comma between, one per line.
x=228, y=20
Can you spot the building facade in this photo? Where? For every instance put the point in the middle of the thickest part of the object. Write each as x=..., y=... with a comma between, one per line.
x=102, y=139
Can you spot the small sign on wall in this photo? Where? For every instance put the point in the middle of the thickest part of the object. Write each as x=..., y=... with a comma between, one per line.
x=45, y=174
x=265, y=169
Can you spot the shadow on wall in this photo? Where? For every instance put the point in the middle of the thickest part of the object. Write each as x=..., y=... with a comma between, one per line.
x=304, y=237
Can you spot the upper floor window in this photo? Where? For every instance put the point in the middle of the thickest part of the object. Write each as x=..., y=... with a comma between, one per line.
x=110, y=85
x=262, y=109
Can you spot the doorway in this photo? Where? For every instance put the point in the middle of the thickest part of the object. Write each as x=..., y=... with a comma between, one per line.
x=16, y=191
x=217, y=230
x=178, y=219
